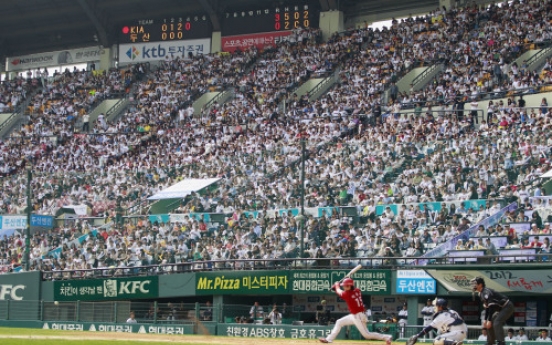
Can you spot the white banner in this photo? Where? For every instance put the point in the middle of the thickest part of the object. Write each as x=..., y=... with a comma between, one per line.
x=57, y=58
x=80, y=210
x=153, y=51
x=179, y=217
x=13, y=222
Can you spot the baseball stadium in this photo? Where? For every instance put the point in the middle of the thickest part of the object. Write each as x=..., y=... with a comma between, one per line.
x=259, y=171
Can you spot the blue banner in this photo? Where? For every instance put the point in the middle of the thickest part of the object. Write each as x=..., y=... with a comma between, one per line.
x=55, y=253
x=442, y=249
x=327, y=211
x=415, y=282
x=7, y=233
x=294, y=211
x=255, y=214
x=198, y=216
x=160, y=218
x=42, y=221
x=434, y=206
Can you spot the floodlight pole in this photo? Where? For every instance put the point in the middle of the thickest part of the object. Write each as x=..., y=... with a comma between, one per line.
x=27, y=252
x=302, y=221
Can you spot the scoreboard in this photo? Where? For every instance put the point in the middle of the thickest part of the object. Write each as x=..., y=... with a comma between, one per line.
x=233, y=22
x=282, y=18
x=167, y=29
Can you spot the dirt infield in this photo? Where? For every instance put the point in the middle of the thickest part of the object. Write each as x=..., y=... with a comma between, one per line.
x=189, y=339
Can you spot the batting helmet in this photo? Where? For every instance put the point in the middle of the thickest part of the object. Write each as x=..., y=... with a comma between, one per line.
x=348, y=282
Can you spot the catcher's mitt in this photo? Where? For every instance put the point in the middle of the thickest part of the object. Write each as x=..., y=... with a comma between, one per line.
x=412, y=340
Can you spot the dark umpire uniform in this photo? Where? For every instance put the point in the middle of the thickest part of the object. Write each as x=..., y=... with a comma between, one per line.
x=498, y=309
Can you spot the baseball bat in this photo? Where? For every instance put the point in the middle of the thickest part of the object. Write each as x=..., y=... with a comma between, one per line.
x=351, y=272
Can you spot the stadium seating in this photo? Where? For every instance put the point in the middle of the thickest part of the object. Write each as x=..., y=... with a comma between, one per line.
x=362, y=152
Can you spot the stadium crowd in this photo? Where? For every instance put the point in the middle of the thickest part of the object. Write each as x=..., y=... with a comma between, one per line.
x=479, y=63
x=358, y=152
x=14, y=92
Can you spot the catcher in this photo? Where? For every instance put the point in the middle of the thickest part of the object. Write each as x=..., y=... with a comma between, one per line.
x=451, y=327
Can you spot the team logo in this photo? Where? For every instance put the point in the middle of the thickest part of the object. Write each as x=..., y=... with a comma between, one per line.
x=133, y=53
x=459, y=279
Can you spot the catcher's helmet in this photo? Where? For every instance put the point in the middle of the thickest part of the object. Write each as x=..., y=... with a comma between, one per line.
x=348, y=282
x=441, y=302
x=476, y=281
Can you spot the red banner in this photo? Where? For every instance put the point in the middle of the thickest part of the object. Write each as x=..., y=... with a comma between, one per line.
x=260, y=40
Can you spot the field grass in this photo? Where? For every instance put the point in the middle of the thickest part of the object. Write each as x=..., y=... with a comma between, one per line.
x=34, y=331
x=74, y=342
x=21, y=336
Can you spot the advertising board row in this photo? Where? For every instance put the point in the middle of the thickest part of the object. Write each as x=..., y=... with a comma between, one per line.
x=311, y=282
x=231, y=330
x=145, y=51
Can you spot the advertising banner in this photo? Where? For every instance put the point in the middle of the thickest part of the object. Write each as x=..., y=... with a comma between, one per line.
x=242, y=283
x=154, y=51
x=259, y=40
x=310, y=303
x=415, y=282
x=119, y=328
x=181, y=217
x=13, y=222
x=278, y=331
x=231, y=330
x=105, y=289
x=374, y=282
x=56, y=252
x=327, y=211
x=383, y=306
x=444, y=248
x=528, y=281
x=433, y=206
x=20, y=287
x=160, y=218
x=57, y=58
x=520, y=228
x=42, y=221
x=530, y=313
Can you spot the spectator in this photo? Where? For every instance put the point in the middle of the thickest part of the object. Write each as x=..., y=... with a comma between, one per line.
x=275, y=316
x=207, y=313
x=510, y=336
x=256, y=312
x=131, y=318
x=543, y=335
x=483, y=335
x=521, y=335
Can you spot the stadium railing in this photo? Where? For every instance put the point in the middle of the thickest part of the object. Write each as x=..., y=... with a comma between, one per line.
x=519, y=256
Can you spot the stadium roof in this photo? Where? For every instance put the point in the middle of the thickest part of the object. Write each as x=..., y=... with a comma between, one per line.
x=34, y=26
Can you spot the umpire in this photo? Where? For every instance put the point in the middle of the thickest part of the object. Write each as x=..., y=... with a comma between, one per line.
x=498, y=309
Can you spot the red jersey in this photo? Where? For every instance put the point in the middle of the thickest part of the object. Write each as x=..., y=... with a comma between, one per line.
x=353, y=299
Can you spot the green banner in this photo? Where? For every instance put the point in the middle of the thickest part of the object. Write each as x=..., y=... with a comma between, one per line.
x=24, y=286
x=102, y=289
x=374, y=282
x=276, y=331
x=122, y=328
x=242, y=283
